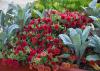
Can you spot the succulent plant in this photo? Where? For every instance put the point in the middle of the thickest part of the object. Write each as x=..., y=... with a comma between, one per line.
x=6, y=27
x=15, y=17
x=93, y=12
x=77, y=40
x=95, y=42
x=21, y=15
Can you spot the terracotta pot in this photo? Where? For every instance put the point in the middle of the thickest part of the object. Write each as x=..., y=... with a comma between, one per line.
x=9, y=68
x=68, y=67
x=43, y=68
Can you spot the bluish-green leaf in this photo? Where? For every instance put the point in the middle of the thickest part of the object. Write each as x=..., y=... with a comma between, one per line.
x=85, y=33
x=65, y=38
x=93, y=4
x=93, y=57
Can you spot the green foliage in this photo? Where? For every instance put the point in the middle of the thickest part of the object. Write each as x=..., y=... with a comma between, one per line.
x=95, y=42
x=7, y=32
x=60, y=5
x=93, y=12
x=15, y=18
x=6, y=26
x=21, y=15
x=93, y=57
x=64, y=55
x=77, y=40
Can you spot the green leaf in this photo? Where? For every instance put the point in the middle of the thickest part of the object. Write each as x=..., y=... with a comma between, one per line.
x=93, y=57
x=95, y=42
x=92, y=4
x=1, y=56
x=65, y=38
x=9, y=31
x=2, y=15
x=38, y=13
x=11, y=28
x=44, y=60
x=55, y=59
x=64, y=55
x=85, y=33
x=12, y=56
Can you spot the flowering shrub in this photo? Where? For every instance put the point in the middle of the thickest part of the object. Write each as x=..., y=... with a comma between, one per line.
x=39, y=39
x=70, y=19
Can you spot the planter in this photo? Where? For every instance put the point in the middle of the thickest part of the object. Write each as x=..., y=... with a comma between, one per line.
x=67, y=67
x=39, y=68
x=7, y=65
x=8, y=68
x=13, y=66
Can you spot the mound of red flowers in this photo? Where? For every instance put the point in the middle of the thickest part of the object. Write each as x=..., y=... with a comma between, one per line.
x=39, y=39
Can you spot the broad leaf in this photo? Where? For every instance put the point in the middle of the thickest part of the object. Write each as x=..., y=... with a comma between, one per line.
x=93, y=4
x=64, y=55
x=85, y=33
x=38, y=13
x=2, y=15
x=93, y=17
x=65, y=38
x=93, y=57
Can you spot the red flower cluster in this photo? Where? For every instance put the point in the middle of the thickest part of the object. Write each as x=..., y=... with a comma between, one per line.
x=41, y=35
x=71, y=19
x=75, y=19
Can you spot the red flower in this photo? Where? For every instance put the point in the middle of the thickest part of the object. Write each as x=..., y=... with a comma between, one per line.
x=34, y=40
x=45, y=27
x=38, y=36
x=68, y=18
x=47, y=20
x=56, y=26
x=38, y=20
x=49, y=38
x=56, y=40
x=73, y=24
x=50, y=56
x=63, y=16
x=49, y=50
x=83, y=27
x=39, y=50
x=24, y=37
x=56, y=51
x=31, y=22
x=32, y=53
x=53, y=63
x=24, y=43
x=18, y=49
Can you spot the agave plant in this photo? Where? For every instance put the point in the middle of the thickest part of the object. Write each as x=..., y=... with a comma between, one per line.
x=15, y=17
x=77, y=40
x=95, y=42
x=21, y=15
x=93, y=12
x=6, y=29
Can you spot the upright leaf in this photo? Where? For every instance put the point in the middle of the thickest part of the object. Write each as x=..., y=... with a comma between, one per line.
x=85, y=33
